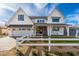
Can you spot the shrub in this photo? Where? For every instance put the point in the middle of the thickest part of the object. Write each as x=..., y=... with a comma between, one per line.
x=59, y=53
x=33, y=46
x=70, y=53
x=34, y=53
x=18, y=53
x=46, y=52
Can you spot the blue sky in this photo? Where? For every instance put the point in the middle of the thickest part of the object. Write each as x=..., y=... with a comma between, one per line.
x=69, y=10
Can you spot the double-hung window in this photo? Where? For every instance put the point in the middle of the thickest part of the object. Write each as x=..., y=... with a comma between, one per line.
x=55, y=19
x=21, y=17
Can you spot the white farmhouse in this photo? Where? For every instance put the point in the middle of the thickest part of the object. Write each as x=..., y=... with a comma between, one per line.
x=21, y=24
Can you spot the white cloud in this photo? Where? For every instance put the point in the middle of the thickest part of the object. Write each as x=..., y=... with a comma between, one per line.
x=40, y=5
x=73, y=18
x=5, y=6
x=2, y=22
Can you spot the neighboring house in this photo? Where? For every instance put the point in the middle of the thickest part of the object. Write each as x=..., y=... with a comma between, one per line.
x=21, y=24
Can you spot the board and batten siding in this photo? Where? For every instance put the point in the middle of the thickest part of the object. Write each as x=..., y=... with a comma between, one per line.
x=15, y=31
x=55, y=13
x=15, y=22
x=14, y=19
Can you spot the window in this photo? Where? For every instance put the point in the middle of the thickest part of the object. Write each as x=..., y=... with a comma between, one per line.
x=13, y=29
x=28, y=29
x=22, y=29
x=55, y=28
x=40, y=21
x=21, y=17
x=55, y=19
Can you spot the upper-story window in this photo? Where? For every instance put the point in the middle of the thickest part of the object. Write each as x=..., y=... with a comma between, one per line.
x=40, y=21
x=13, y=29
x=55, y=19
x=21, y=17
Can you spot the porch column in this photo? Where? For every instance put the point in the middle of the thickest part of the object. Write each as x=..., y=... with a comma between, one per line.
x=67, y=28
x=76, y=32
x=32, y=31
x=49, y=30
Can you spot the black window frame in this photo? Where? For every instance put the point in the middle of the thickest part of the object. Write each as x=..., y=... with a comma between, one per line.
x=55, y=18
x=20, y=17
x=40, y=21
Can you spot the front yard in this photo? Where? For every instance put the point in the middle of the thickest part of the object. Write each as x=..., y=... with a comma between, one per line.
x=55, y=51
x=59, y=51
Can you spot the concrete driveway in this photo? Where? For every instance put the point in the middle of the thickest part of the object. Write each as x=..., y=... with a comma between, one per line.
x=7, y=43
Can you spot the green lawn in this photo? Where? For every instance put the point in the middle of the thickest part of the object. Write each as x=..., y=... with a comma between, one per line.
x=64, y=41
x=53, y=37
x=53, y=41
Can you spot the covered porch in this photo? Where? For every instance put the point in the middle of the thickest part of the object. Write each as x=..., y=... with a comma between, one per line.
x=44, y=30
x=40, y=29
x=62, y=30
x=56, y=30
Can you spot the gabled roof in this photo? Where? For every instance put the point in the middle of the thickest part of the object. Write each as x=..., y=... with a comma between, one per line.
x=28, y=22
x=37, y=17
x=57, y=10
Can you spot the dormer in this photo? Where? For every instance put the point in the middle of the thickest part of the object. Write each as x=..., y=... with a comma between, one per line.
x=55, y=17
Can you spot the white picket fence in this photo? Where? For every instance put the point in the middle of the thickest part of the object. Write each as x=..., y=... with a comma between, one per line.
x=49, y=44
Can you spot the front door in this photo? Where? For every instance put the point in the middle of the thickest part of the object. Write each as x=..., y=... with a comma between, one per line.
x=41, y=30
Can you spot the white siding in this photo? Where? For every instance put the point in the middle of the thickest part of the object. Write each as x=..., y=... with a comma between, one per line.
x=14, y=19
x=35, y=20
x=18, y=32
x=55, y=13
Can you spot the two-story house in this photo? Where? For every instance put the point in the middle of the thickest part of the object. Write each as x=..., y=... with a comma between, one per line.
x=20, y=24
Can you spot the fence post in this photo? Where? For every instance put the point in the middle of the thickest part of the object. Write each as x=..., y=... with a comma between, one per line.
x=49, y=44
x=17, y=44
